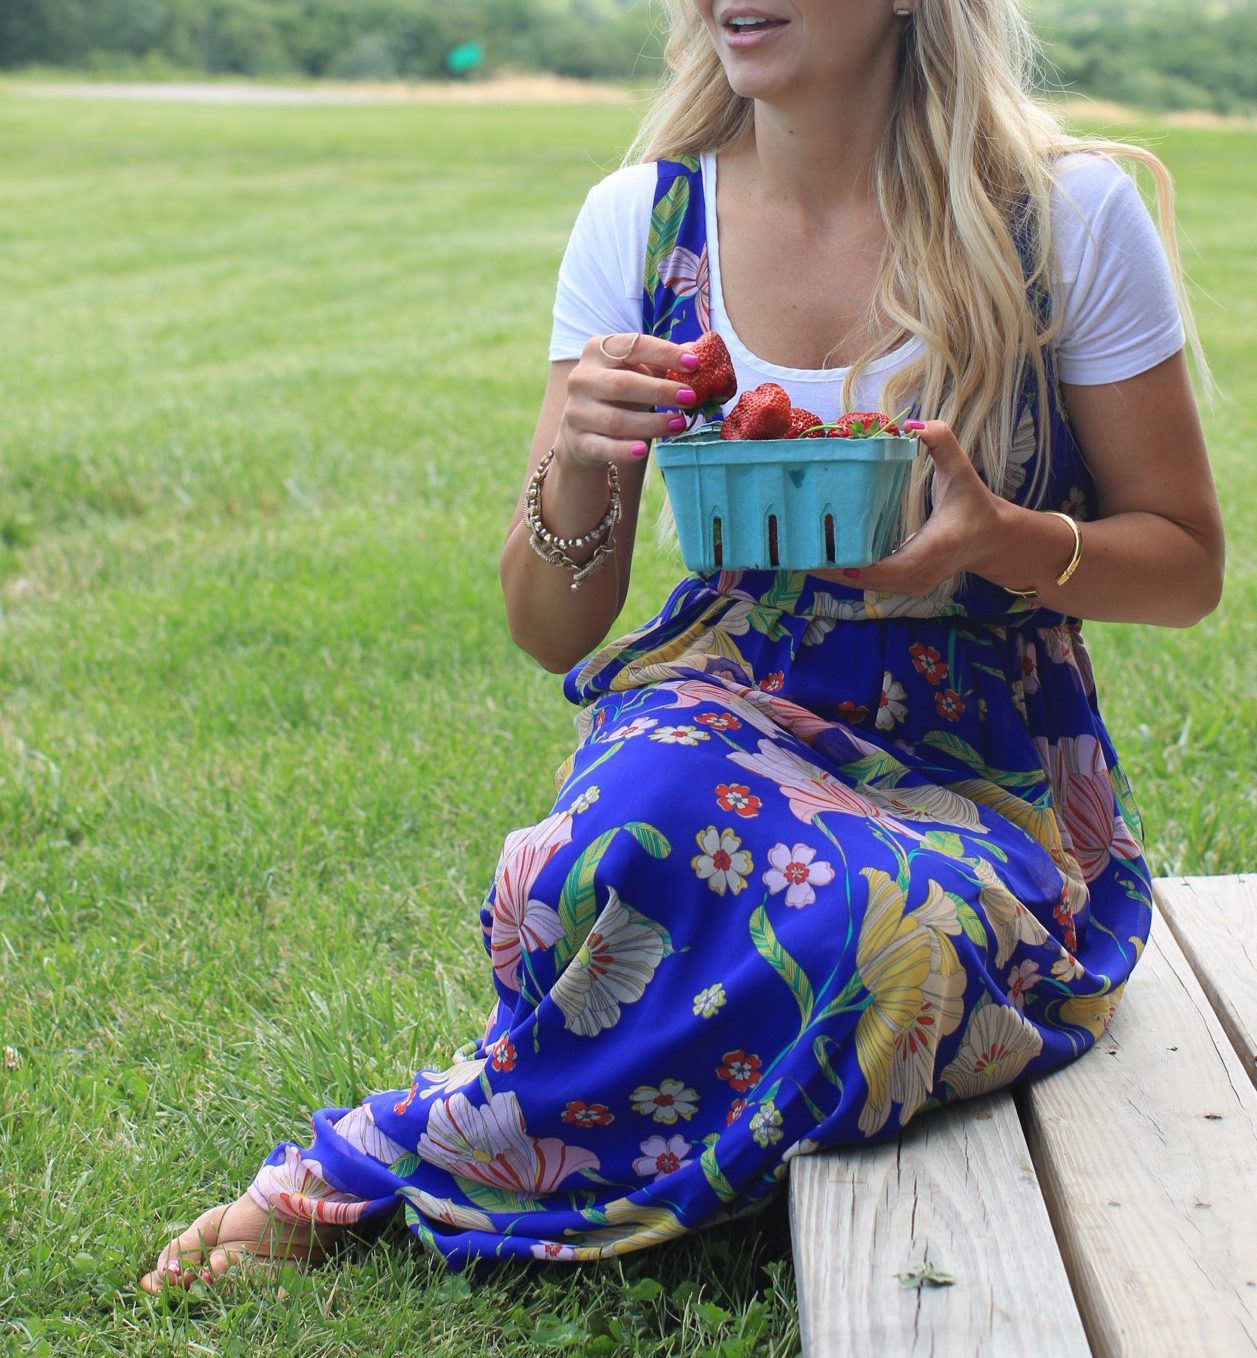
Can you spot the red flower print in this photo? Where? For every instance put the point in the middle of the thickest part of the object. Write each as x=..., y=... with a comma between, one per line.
x=851, y=713
x=735, y=1111
x=1064, y=916
x=741, y=1071
x=503, y=1053
x=949, y=704
x=770, y=683
x=928, y=662
x=588, y=1114
x=719, y=721
x=737, y=797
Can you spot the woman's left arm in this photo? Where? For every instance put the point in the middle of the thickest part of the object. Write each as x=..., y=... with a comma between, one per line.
x=1154, y=551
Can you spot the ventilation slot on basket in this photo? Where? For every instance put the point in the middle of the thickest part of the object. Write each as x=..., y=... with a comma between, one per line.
x=831, y=553
x=717, y=544
x=773, y=558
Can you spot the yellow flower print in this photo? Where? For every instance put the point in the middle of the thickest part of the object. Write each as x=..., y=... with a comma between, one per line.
x=1093, y=1012
x=1009, y=918
x=910, y=965
x=997, y=1046
x=630, y=1227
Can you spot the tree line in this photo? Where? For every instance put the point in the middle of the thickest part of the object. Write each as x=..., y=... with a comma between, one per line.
x=1150, y=53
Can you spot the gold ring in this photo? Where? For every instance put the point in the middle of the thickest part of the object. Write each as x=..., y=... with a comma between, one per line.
x=617, y=358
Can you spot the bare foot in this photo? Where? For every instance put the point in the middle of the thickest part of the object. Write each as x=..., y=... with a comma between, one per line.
x=226, y=1234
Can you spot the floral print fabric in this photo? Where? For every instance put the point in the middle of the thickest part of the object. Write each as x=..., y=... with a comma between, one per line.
x=821, y=862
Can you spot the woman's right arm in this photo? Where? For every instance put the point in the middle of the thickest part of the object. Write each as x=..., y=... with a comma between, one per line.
x=595, y=411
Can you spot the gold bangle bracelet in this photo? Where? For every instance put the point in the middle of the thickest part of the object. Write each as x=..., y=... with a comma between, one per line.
x=1064, y=577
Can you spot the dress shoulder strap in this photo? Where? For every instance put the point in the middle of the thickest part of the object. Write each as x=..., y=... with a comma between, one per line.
x=676, y=284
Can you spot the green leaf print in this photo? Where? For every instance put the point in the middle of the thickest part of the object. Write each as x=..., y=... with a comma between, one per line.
x=822, y=1059
x=970, y=920
x=720, y=1186
x=578, y=902
x=665, y=226
x=406, y=1165
x=494, y=1199
x=962, y=750
x=944, y=841
x=655, y=844
x=878, y=770
x=766, y=944
x=416, y=1224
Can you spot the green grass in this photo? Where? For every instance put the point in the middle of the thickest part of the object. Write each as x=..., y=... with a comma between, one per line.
x=269, y=381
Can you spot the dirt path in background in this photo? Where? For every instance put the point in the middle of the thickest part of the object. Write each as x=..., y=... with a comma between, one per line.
x=531, y=89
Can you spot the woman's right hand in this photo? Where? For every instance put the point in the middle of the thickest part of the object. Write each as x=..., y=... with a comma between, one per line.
x=610, y=413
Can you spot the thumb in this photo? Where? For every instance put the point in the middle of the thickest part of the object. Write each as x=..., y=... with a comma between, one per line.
x=948, y=456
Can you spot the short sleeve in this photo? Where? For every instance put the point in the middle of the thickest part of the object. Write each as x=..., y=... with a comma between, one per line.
x=600, y=280
x=1115, y=293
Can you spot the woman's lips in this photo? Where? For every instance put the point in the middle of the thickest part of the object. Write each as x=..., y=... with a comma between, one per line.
x=751, y=35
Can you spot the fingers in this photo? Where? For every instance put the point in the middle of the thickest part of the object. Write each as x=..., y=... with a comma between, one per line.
x=939, y=441
x=643, y=351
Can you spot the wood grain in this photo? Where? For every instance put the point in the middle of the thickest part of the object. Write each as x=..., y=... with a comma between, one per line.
x=1146, y=1148
x=1214, y=921
x=957, y=1188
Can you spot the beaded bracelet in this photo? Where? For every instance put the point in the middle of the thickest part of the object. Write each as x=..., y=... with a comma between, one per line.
x=1064, y=577
x=554, y=549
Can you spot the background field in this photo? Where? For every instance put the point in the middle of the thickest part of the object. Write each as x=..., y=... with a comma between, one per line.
x=268, y=382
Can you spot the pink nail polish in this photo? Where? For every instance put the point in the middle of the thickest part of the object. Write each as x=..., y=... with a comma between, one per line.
x=855, y=575
x=914, y=425
x=677, y=423
x=690, y=361
x=639, y=450
x=686, y=397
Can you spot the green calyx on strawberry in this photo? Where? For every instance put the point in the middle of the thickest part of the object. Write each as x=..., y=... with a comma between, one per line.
x=713, y=381
x=862, y=424
x=763, y=413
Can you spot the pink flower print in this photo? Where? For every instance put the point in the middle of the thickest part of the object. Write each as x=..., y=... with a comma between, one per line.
x=794, y=872
x=1082, y=793
x=296, y=1190
x=660, y=1157
x=1021, y=979
x=688, y=275
x=518, y=922
x=491, y=1145
x=892, y=707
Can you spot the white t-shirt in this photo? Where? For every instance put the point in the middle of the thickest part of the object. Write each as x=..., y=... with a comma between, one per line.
x=1115, y=297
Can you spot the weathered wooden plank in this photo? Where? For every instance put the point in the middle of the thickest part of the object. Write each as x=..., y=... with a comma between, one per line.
x=1146, y=1149
x=1214, y=921
x=958, y=1189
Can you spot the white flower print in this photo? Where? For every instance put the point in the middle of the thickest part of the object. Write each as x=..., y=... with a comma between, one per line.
x=358, y=1127
x=660, y=1157
x=678, y=735
x=997, y=1046
x=614, y=965
x=1067, y=967
x=723, y=863
x=637, y=727
x=1021, y=979
x=708, y=1001
x=519, y=922
x=672, y=1100
x=296, y=1190
x=689, y=275
x=794, y=872
x=766, y=1124
x=1010, y=920
x=585, y=800
x=893, y=707
x=445, y=1209
x=457, y=1076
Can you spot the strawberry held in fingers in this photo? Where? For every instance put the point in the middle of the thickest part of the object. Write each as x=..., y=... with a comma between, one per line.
x=713, y=381
x=863, y=424
x=763, y=413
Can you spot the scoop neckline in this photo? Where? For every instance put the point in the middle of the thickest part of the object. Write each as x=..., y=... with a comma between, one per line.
x=896, y=356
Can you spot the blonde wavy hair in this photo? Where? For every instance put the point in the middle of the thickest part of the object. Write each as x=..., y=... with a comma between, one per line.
x=964, y=172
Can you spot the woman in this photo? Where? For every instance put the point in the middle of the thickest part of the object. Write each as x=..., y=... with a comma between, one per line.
x=918, y=873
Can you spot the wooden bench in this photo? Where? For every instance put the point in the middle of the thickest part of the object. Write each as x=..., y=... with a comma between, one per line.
x=1109, y=1208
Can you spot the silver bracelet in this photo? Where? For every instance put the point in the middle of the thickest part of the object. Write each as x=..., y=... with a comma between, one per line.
x=554, y=549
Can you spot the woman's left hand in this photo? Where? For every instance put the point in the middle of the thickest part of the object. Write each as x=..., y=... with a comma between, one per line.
x=959, y=535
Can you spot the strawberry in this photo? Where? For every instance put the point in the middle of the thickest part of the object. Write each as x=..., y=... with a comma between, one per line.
x=760, y=414
x=863, y=424
x=713, y=381
x=804, y=425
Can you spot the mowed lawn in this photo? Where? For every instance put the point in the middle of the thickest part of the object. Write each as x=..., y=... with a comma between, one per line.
x=268, y=382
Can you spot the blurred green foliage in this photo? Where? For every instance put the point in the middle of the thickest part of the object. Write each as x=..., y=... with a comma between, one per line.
x=1156, y=54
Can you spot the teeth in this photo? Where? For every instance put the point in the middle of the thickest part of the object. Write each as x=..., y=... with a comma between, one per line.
x=748, y=23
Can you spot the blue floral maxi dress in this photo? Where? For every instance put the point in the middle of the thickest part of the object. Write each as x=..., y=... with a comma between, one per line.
x=822, y=861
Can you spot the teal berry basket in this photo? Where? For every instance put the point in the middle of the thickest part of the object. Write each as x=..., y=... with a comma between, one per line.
x=787, y=504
